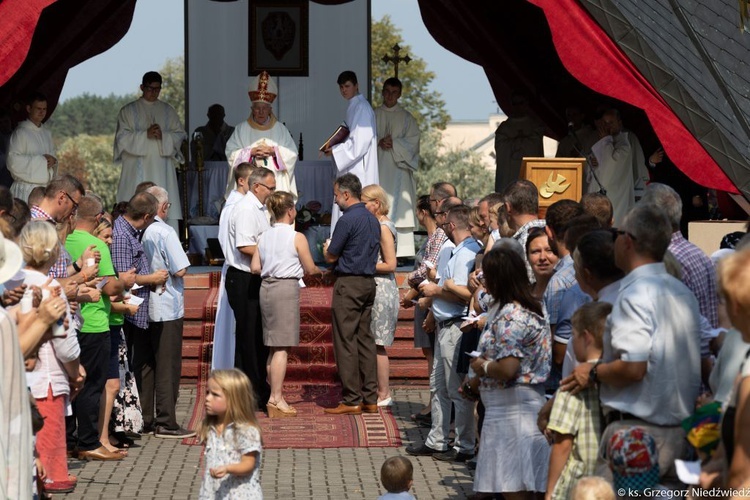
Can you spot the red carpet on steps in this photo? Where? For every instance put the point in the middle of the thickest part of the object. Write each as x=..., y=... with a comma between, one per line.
x=311, y=381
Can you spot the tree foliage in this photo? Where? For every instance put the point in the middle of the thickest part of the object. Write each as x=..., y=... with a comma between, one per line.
x=462, y=168
x=87, y=114
x=427, y=106
x=89, y=158
x=173, y=85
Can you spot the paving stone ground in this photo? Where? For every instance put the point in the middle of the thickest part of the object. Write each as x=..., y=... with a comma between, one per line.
x=167, y=469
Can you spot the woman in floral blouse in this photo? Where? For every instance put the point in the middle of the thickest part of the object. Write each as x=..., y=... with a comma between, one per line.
x=515, y=358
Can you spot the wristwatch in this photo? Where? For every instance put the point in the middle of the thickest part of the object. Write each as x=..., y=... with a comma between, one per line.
x=593, y=376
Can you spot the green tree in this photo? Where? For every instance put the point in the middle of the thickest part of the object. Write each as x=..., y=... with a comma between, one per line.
x=89, y=158
x=173, y=85
x=86, y=114
x=427, y=106
x=462, y=168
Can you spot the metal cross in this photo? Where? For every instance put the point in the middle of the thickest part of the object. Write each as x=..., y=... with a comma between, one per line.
x=395, y=59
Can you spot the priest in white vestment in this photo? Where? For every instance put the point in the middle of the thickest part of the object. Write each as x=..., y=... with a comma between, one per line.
x=262, y=139
x=398, y=157
x=614, y=169
x=224, y=325
x=148, y=144
x=358, y=153
x=31, y=152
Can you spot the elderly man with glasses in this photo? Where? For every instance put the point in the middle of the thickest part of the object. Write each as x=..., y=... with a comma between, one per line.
x=247, y=221
x=262, y=139
x=147, y=143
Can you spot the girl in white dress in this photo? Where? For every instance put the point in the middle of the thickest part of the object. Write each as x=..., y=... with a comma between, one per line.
x=231, y=434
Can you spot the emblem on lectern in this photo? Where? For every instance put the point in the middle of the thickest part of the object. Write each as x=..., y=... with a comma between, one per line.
x=552, y=186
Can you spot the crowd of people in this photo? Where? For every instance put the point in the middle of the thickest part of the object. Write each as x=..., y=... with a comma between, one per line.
x=92, y=316
x=565, y=348
x=568, y=354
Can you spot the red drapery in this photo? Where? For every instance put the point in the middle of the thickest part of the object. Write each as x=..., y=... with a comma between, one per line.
x=17, y=24
x=596, y=61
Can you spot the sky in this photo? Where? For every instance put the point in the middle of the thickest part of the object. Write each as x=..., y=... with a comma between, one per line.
x=158, y=33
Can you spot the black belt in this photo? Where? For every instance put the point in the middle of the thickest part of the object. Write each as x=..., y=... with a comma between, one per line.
x=350, y=275
x=616, y=416
x=449, y=322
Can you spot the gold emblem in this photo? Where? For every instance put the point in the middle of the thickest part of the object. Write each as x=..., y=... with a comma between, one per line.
x=551, y=186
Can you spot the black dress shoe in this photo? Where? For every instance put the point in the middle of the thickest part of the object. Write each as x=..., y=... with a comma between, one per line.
x=423, y=420
x=453, y=455
x=421, y=451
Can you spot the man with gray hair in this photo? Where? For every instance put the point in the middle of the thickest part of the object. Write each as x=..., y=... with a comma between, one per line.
x=698, y=272
x=450, y=296
x=649, y=374
x=160, y=372
x=247, y=222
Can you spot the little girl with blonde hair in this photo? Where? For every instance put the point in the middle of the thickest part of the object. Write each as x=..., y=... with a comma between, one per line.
x=231, y=434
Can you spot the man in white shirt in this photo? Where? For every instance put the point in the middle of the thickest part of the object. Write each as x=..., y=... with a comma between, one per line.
x=31, y=153
x=649, y=375
x=224, y=341
x=247, y=222
x=166, y=312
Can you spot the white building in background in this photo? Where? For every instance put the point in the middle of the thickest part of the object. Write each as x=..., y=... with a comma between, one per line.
x=479, y=136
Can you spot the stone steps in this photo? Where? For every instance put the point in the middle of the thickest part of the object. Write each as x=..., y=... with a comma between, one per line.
x=313, y=360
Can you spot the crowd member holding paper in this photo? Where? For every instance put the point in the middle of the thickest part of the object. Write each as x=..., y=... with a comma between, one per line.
x=94, y=335
x=120, y=394
x=160, y=373
x=282, y=259
x=57, y=373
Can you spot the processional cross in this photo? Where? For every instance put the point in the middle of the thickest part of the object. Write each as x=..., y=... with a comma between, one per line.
x=395, y=59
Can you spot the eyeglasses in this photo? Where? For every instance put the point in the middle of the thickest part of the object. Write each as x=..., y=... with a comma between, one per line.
x=436, y=200
x=151, y=88
x=267, y=187
x=619, y=232
x=75, y=205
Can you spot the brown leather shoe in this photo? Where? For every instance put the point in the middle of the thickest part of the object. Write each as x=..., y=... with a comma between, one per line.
x=343, y=409
x=100, y=453
x=370, y=408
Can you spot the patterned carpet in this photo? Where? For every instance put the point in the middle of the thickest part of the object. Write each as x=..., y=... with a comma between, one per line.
x=311, y=381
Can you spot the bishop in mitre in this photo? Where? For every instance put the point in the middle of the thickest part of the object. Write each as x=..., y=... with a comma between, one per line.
x=262, y=139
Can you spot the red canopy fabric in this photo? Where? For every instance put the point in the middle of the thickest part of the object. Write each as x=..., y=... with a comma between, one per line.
x=597, y=62
x=557, y=53
x=42, y=39
x=18, y=20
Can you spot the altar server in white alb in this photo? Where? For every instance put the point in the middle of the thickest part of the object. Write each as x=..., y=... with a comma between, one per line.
x=31, y=153
x=224, y=325
x=358, y=154
x=398, y=157
x=147, y=144
x=262, y=139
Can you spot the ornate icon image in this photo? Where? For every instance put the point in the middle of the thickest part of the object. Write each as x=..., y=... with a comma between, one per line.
x=279, y=31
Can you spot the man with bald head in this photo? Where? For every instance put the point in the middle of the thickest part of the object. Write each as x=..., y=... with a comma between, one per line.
x=94, y=335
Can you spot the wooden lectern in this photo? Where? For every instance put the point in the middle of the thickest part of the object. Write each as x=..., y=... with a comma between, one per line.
x=555, y=178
